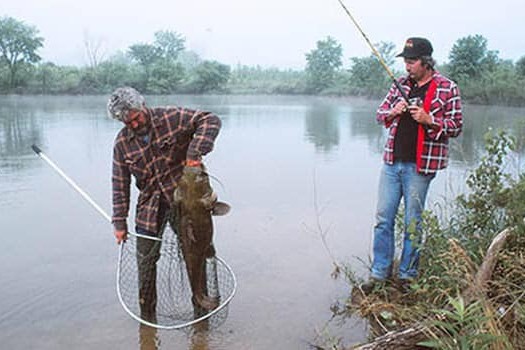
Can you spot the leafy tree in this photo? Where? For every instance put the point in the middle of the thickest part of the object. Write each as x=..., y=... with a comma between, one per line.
x=145, y=54
x=165, y=77
x=46, y=78
x=169, y=43
x=114, y=73
x=501, y=85
x=210, y=75
x=18, y=45
x=266, y=80
x=520, y=67
x=367, y=75
x=323, y=63
x=188, y=59
x=166, y=46
x=4, y=74
x=470, y=58
x=160, y=72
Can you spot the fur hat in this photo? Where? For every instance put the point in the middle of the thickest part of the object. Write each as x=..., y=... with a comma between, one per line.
x=122, y=100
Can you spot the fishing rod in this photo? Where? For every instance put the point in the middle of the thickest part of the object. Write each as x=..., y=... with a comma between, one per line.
x=41, y=154
x=376, y=53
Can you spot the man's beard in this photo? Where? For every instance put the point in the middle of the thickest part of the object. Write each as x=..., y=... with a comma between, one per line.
x=142, y=130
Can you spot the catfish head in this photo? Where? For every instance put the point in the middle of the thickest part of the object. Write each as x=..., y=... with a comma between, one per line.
x=195, y=193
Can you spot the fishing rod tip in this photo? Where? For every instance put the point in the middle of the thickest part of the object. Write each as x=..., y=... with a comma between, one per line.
x=36, y=149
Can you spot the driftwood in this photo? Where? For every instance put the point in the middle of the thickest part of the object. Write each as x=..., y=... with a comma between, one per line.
x=408, y=338
x=486, y=269
x=399, y=340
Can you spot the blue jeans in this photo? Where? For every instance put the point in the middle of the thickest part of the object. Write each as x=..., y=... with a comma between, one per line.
x=397, y=181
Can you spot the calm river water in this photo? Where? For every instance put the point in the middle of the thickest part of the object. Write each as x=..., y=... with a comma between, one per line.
x=278, y=159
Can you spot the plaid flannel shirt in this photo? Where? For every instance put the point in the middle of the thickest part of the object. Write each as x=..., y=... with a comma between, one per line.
x=176, y=135
x=443, y=103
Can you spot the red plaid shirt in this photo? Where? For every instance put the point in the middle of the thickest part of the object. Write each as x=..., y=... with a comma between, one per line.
x=176, y=135
x=443, y=103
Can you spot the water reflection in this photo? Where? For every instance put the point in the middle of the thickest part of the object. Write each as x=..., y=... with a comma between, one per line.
x=198, y=337
x=465, y=149
x=148, y=338
x=322, y=127
x=18, y=129
x=362, y=123
x=199, y=341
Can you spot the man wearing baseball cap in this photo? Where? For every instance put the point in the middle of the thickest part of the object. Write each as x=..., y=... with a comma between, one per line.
x=416, y=148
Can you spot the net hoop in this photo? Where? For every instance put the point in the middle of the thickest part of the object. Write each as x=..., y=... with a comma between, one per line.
x=225, y=300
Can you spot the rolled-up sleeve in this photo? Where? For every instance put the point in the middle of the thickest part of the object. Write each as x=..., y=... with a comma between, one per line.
x=207, y=126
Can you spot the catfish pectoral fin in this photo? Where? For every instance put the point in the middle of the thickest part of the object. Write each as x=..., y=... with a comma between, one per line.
x=209, y=200
x=220, y=208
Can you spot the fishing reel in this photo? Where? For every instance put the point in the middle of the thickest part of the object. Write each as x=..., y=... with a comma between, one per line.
x=415, y=101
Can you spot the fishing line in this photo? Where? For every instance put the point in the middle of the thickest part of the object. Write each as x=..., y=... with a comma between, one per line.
x=376, y=53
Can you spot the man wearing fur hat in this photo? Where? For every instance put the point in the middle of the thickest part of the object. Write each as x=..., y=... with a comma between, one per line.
x=154, y=146
x=416, y=148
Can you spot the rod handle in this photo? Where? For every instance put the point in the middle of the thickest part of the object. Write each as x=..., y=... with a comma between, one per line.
x=403, y=93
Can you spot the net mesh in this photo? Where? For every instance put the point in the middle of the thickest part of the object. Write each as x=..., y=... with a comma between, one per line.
x=154, y=288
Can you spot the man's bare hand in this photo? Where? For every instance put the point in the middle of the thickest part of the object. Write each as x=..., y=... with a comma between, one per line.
x=419, y=115
x=398, y=109
x=120, y=235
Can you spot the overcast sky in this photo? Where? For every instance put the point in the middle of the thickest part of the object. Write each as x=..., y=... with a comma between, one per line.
x=267, y=32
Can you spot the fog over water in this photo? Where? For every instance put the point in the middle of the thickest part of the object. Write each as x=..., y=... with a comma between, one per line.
x=266, y=32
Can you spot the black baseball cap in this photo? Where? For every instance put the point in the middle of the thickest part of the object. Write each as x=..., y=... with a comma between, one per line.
x=416, y=47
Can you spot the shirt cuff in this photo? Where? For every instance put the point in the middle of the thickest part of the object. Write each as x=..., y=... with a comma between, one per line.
x=193, y=162
x=193, y=157
x=435, y=129
x=120, y=225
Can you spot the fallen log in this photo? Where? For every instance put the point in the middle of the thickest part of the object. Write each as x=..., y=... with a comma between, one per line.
x=484, y=273
x=398, y=340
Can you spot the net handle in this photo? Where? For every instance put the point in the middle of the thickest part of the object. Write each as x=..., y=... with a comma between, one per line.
x=77, y=188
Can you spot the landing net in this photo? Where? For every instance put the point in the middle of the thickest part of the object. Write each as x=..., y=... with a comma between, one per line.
x=162, y=298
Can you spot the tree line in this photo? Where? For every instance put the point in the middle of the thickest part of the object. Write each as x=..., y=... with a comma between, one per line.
x=165, y=66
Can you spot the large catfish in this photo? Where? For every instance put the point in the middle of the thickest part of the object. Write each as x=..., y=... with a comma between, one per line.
x=194, y=204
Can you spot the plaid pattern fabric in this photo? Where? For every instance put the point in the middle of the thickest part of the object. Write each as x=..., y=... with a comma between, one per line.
x=176, y=135
x=443, y=103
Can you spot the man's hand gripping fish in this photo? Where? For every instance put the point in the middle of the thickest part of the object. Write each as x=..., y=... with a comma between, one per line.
x=194, y=204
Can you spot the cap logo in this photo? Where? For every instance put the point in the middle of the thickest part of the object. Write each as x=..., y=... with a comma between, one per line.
x=409, y=44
